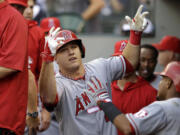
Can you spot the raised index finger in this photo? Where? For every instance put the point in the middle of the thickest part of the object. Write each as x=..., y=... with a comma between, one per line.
x=139, y=10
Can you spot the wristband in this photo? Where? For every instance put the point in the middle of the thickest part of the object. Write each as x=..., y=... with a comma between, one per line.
x=33, y=115
x=50, y=106
x=110, y=110
x=47, y=57
x=135, y=37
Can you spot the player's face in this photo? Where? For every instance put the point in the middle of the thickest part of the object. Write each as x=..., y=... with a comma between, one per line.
x=28, y=12
x=147, y=63
x=164, y=57
x=164, y=86
x=69, y=57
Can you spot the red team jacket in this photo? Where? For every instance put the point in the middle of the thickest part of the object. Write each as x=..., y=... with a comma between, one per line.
x=134, y=96
x=36, y=43
x=13, y=55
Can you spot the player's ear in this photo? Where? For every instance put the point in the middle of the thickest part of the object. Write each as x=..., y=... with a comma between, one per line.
x=168, y=83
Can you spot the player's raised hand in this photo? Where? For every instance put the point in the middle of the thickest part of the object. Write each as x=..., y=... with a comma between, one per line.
x=52, y=42
x=96, y=90
x=139, y=22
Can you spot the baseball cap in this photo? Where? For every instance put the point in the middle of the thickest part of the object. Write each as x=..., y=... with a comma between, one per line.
x=49, y=22
x=172, y=70
x=69, y=36
x=119, y=47
x=170, y=43
x=18, y=2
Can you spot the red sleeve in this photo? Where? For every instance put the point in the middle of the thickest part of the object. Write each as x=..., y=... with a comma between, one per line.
x=129, y=67
x=13, y=44
x=132, y=130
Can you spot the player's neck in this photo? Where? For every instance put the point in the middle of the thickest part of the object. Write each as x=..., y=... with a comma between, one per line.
x=150, y=78
x=121, y=83
x=173, y=94
x=74, y=74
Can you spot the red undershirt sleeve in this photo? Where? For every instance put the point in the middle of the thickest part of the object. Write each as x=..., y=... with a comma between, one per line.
x=129, y=67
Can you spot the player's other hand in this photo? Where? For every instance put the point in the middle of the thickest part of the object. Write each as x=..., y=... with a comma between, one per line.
x=31, y=122
x=96, y=90
x=139, y=22
x=45, y=120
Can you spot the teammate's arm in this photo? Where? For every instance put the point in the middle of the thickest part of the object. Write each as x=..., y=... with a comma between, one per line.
x=93, y=9
x=6, y=71
x=131, y=52
x=32, y=101
x=116, y=117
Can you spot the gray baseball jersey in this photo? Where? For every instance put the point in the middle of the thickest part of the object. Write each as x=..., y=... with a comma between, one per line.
x=72, y=108
x=159, y=118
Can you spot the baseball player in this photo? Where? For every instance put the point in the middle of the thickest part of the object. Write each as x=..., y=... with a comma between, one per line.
x=13, y=70
x=35, y=46
x=159, y=118
x=147, y=64
x=76, y=111
x=131, y=93
x=169, y=50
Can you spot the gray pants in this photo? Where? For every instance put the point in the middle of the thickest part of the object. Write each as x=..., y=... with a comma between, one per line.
x=52, y=130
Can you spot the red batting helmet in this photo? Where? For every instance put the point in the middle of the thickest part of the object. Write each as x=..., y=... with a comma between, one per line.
x=172, y=70
x=49, y=22
x=18, y=2
x=119, y=47
x=69, y=36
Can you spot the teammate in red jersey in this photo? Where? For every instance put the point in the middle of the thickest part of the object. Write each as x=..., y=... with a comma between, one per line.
x=36, y=43
x=13, y=70
x=35, y=40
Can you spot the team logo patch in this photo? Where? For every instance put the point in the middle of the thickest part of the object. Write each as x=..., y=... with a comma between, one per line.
x=66, y=35
x=51, y=23
x=141, y=114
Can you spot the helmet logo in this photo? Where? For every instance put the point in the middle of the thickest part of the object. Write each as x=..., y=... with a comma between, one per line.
x=51, y=23
x=66, y=35
x=123, y=45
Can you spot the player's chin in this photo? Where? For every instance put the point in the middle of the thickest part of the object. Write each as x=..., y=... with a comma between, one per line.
x=74, y=66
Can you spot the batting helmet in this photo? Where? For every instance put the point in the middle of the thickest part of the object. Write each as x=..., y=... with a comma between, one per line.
x=18, y=2
x=119, y=47
x=172, y=70
x=49, y=22
x=69, y=36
